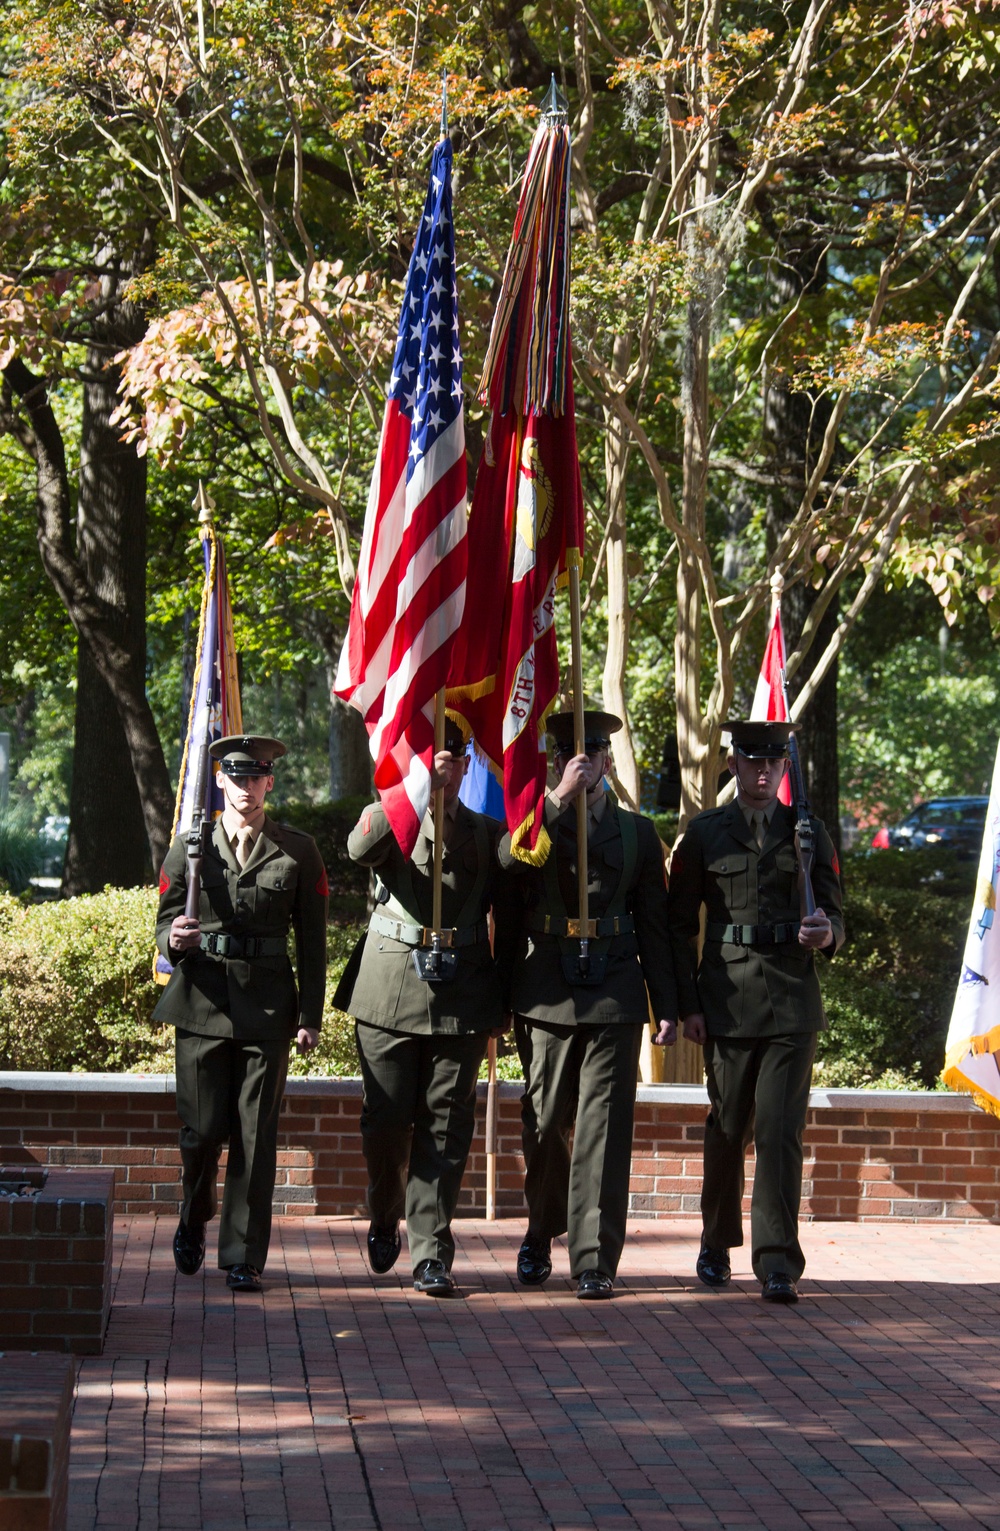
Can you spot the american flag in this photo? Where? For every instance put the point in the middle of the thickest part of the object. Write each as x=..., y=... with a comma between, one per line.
x=409, y=595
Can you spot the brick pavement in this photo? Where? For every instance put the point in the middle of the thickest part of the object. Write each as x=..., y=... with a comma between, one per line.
x=340, y=1401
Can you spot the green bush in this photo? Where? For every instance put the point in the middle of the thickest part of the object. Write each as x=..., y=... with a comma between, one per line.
x=889, y=993
x=20, y=850
x=76, y=988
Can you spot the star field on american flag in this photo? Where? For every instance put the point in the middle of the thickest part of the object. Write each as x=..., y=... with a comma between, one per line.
x=426, y=376
x=409, y=595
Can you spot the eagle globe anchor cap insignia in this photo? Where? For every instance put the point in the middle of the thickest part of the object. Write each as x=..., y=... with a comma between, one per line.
x=247, y=754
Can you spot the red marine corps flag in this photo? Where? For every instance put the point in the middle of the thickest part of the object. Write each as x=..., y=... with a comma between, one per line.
x=527, y=509
x=409, y=595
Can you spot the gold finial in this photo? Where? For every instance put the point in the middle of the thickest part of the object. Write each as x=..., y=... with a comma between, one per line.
x=204, y=505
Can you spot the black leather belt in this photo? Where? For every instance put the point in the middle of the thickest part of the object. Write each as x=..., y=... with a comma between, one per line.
x=752, y=935
x=611, y=925
x=220, y=943
x=422, y=935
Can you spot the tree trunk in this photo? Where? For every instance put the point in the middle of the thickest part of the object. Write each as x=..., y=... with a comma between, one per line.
x=697, y=736
x=818, y=738
x=616, y=457
x=107, y=841
x=793, y=432
x=350, y=758
x=98, y=624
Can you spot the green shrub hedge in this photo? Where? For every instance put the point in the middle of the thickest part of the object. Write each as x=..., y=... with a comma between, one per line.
x=76, y=989
x=889, y=993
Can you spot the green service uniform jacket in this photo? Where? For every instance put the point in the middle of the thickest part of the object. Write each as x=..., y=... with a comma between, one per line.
x=248, y=998
x=748, y=991
x=380, y=986
x=637, y=961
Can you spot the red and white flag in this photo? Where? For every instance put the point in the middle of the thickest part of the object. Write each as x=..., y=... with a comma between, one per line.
x=769, y=698
x=409, y=596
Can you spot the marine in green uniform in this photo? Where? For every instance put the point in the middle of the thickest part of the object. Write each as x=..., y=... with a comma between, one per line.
x=421, y=1042
x=579, y=1033
x=233, y=1000
x=754, y=1002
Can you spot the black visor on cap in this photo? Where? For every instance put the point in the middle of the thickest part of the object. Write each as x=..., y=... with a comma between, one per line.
x=760, y=741
x=243, y=766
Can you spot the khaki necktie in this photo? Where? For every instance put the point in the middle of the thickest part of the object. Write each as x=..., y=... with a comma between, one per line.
x=758, y=823
x=244, y=846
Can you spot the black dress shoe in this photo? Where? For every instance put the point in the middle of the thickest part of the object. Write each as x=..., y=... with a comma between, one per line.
x=189, y=1249
x=534, y=1261
x=713, y=1266
x=431, y=1277
x=779, y=1288
x=592, y=1286
x=244, y=1278
x=384, y=1245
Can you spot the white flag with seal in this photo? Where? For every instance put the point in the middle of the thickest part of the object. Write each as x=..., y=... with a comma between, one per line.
x=972, y=1056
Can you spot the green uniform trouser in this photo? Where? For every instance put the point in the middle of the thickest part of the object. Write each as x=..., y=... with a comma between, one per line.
x=588, y=1073
x=759, y=1088
x=229, y=1089
x=417, y=1121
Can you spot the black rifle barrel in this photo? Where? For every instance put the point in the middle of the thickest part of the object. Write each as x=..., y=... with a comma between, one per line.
x=805, y=841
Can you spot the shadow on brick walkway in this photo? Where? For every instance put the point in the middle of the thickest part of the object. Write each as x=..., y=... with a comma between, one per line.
x=338, y=1401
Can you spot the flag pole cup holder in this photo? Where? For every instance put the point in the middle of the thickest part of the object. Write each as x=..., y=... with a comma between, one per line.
x=433, y=964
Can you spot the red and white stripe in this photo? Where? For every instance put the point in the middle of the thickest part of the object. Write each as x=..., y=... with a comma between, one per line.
x=407, y=604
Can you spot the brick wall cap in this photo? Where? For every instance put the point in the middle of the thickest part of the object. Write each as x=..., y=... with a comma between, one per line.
x=351, y=1088
x=103, y=1084
x=892, y=1100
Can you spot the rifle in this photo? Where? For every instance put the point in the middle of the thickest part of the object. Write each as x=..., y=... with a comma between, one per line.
x=805, y=841
x=197, y=834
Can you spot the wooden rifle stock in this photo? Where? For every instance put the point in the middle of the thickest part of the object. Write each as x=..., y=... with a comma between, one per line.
x=196, y=837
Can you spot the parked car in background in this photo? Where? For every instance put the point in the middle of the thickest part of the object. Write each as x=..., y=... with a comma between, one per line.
x=953, y=821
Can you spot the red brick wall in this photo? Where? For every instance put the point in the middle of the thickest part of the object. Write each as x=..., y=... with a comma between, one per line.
x=36, y=1403
x=868, y=1157
x=55, y=1262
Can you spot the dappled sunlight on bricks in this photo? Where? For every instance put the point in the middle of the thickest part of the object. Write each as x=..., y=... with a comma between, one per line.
x=343, y=1400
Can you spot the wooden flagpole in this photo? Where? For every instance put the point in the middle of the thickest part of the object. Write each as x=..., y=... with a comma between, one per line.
x=438, y=813
x=579, y=741
x=491, y=1131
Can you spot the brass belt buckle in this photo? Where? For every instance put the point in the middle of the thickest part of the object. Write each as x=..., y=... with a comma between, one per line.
x=447, y=937
x=575, y=928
